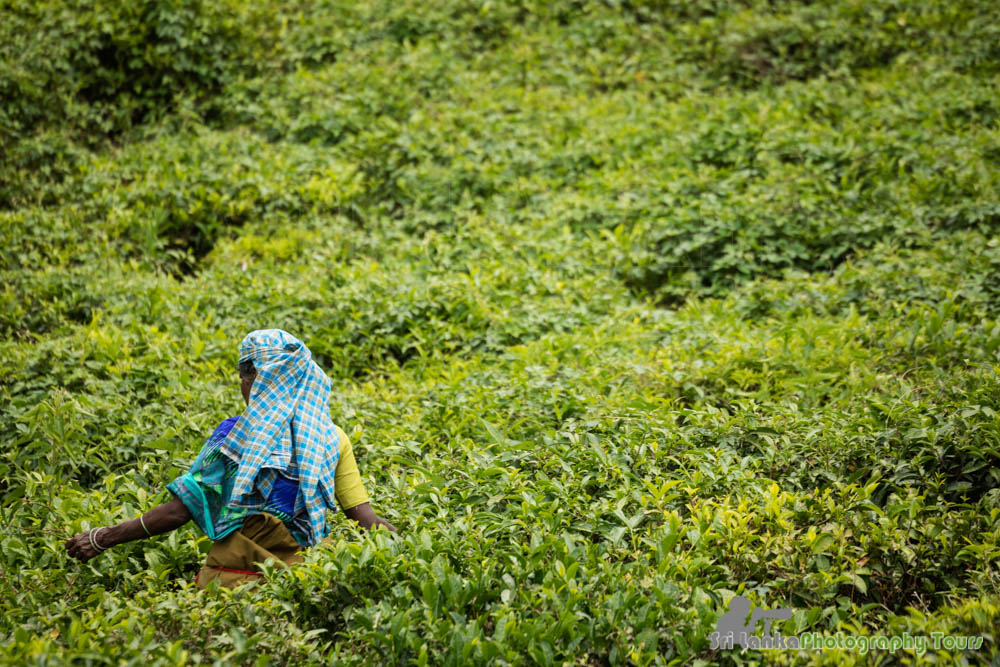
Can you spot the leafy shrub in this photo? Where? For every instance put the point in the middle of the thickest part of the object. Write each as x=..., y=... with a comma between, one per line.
x=629, y=308
x=807, y=41
x=103, y=69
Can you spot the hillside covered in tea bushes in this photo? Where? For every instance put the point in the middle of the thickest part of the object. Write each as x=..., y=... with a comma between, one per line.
x=630, y=307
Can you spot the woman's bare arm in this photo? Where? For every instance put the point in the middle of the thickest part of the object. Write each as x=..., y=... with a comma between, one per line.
x=163, y=519
x=366, y=517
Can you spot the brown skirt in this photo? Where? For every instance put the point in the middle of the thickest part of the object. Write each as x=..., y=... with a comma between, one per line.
x=233, y=560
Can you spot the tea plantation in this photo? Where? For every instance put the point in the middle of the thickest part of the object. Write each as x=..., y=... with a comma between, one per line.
x=630, y=307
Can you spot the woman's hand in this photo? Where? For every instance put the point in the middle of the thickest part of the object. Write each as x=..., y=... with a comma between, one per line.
x=367, y=518
x=79, y=545
x=379, y=521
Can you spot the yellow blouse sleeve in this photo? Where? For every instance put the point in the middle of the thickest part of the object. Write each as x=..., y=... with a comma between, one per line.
x=348, y=487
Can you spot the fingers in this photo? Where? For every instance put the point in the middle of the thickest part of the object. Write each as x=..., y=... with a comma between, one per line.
x=72, y=548
x=79, y=547
x=379, y=521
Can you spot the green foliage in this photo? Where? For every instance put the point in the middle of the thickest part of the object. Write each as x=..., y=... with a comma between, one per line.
x=93, y=70
x=808, y=40
x=630, y=307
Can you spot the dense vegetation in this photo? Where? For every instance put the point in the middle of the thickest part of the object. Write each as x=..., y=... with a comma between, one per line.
x=629, y=306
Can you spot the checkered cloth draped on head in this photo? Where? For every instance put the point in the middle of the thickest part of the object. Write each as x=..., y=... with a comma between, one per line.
x=285, y=428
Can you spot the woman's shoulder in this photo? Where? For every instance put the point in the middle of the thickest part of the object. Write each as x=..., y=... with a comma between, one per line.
x=344, y=442
x=224, y=427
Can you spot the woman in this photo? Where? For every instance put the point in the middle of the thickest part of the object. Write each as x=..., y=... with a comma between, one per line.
x=262, y=484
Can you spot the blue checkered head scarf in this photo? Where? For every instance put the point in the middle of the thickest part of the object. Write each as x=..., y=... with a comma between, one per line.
x=285, y=428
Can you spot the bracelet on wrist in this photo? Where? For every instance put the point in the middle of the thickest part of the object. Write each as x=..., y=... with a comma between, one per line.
x=96, y=543
x=93, y=543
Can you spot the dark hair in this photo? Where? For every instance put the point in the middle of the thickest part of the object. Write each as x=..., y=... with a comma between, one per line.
x=247, y=369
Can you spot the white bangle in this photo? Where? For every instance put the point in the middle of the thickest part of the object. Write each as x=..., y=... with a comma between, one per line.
x=143, y=523
x=93, y=543
x=96, y=543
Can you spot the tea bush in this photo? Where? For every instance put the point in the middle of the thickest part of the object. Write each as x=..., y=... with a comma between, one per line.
x=91, y=70
x=629, y=307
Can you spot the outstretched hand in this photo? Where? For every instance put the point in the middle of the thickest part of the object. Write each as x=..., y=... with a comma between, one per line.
x=379, y=521
x=168, y=516
x=79, y=546
x=367, y=518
